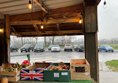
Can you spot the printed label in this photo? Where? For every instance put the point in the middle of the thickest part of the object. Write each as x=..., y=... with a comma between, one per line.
x=64, y=73
x=56, y=74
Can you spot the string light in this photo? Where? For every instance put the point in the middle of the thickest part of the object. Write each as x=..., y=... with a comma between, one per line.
x=33, y=38
x=65, y=35
x=80, y=21
x=104, y=4
x=30, y=5
x=42, y=27
x=0, y=30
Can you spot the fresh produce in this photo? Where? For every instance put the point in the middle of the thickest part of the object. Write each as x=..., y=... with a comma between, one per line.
x=78, y=63
x=11, y=67
x=60, y=67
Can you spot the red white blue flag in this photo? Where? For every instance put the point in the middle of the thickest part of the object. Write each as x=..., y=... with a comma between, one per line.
x=36, y=74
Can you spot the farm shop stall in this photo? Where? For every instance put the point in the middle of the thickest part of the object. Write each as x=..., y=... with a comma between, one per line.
x=16, y=19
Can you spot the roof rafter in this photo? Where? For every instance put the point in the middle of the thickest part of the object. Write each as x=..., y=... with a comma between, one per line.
x=41, y=5
x=36, y=28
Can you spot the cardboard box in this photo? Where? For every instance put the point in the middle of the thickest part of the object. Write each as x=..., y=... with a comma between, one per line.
x=35, y=72
x=57, y=75
x=12, y=76
x=80, y=69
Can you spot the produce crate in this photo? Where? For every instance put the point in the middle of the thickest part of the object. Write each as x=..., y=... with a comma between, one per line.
x=34, y=72
x=12, y=76
x=57, y=75
x=80, y=69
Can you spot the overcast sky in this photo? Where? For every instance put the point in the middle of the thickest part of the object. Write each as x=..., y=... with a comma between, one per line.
x=108, y=19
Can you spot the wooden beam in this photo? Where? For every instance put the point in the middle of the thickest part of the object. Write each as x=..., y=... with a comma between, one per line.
x=58, y=27
x=52, y=32
x=50, y=35
x=41, y=5
x=53, y=21
x=67, y=9
x=39, y=15
x=36, y=28
x=14, y=31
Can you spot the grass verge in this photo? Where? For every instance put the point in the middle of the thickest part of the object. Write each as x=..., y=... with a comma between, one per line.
x=113, y=64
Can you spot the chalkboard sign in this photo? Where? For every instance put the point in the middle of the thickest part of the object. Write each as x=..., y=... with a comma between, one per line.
x=80, y=69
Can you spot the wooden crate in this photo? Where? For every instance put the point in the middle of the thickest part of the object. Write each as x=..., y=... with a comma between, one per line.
x=80, y=69
x=12, y=76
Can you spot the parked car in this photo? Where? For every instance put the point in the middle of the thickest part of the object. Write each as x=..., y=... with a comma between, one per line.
x=13, y=47
x=68, y=47
x=81, y=48
x=55, y=48
x=27, y=48
x=50, y=46
x=74, y=46
x=39, y=47
x=106, y=48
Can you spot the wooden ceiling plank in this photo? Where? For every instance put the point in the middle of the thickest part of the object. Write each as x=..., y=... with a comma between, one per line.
x=41, y=5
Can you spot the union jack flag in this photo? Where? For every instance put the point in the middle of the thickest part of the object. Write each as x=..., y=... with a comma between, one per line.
x=36, y=74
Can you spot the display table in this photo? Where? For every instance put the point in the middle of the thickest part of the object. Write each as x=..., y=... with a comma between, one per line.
x=72, y=81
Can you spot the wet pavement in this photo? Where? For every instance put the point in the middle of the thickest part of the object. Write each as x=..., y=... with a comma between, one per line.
x=48, y=56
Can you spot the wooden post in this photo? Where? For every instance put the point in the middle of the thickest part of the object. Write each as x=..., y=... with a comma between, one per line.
x=7, y=30
x=5, y=41
x=90, y=37
x=91, y=51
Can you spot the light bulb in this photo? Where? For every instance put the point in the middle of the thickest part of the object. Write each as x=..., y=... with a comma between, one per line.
x=65, y=35
x=30, y=5
x=0, y=30
x=42, y=26
x=104, y=4
x=80, y=21
x=33, y=38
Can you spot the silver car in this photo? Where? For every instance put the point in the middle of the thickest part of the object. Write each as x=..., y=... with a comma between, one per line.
x=68, y=47
x=55, y=48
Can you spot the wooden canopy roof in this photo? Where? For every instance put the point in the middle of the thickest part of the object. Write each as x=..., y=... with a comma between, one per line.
x=59, y=17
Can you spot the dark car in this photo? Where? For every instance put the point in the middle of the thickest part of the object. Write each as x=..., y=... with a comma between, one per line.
x=50, y=46
x=27, y=48
x=80, y=48
x=13, y=47
x=39, y=47
x=76, y=47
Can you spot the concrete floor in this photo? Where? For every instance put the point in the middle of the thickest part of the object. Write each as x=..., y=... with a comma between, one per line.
x=106, y=75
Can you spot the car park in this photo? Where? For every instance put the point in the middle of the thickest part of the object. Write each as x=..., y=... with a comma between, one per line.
x=106, y=48
x=13, y=47
x=39, y=47
x=68, y=47
x=55, y=48
x=27, y=48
